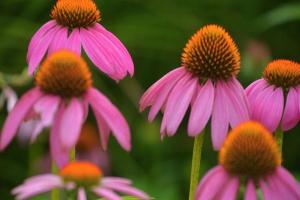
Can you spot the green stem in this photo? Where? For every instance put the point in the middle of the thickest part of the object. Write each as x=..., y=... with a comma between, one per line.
x=73, y=154
x=279, y=138
x=195, y=171
x=55, y=195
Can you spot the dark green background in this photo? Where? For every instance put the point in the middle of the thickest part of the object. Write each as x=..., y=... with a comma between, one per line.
x=155, y=33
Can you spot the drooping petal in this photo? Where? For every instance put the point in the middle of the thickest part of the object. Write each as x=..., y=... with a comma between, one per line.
x=118, y=180
x=39, y=35
x=40, y=49
x=71, y=123
x=127, y=190
x=289, y=181
x=157, y=94
x=212, y=183
x=230, y=190
x=81, y=194
x=59, y=154
x=115, y=41
x=279, y=188
x=250, y=192
x=178, y=103
x=201, y=109
x=17, y=115
x=111, y=115
x=11, y=98
x=106, y=193
x=74, y=41
x=104, y=130
x=59, y=41
x=267, y=191
x=291, y=112
x=220, y=117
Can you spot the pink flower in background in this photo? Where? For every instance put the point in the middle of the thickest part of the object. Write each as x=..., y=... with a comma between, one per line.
x=9, y=96
x=249, y=155
x=80, y=176
x=75, y=24
x=207, y=82
x=61, y=99
x=275, y=99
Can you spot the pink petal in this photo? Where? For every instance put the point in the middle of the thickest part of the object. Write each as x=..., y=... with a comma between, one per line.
x=35, y=40
x=74, y=41
x=17, y=115
x=267, y=191
x=289, y=181
x=257, y=85
x=81, y=194
x=59, y=41
x=230, y=190
x=291, y=112
x=119, y=45
x=111, y=115
x=71, y=123
x=104, y=130
x=127, y=190
x=46, y=108
x=117, y=180
x=250, y=193
x=178, y=103
x=59, y=154
x=212, y=183
x=106, y=193
x=201, y=109
x=157, y=94
x=40, y=49
x=220, y=117
x=11, y=97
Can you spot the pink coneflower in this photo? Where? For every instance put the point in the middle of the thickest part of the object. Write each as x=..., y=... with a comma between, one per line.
x=9, y=97
x=206, y=81
x=82, y=177
x=61, y=99
x=249, y=155
x=75, y=24
x=275, y=98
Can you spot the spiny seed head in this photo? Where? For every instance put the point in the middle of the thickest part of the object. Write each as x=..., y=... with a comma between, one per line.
x=82, y=173
x=250, y=151
x=282, y=73
x=75, y=13
x=64, y=73
x=211, y=54
x=88, y=138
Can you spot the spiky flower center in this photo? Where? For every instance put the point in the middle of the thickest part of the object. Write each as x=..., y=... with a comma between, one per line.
x=211, y=54
x=282, y=73
x=64, y=73
x=82, y=173
x=75, y=13
x=250, y=151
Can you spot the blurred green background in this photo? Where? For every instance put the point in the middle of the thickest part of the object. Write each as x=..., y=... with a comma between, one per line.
x=155, y=33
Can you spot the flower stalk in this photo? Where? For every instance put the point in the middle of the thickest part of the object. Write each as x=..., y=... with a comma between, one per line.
x=196, y=162
x=279, y=138
x=55, y=194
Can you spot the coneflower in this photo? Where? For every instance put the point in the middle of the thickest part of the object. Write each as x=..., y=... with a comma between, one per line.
x=75, y=24
x=61, y=99
x=81, y=177
x=249, y=156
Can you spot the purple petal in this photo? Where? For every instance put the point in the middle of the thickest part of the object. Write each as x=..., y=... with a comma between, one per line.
x=104, y=130
x=17, y=115
x=267, y=191
x=178, y=103
x=117, y=180
x=212, y=183
x=46, y=108
x=289, y=181
x=291, y=112
x=106, y=193
x=81, y=194
x=40, y=49
x=59, y=154
x=111, y=115
x=74, y=41
x=71, y=123
x=220, y=117
x=250, y=193
x=59, y=41
x=11, y=97
x=201, y=109
x=35, y=40
x=230, y=190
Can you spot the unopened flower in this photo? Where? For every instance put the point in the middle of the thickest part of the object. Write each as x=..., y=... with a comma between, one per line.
x=207, y=81
x=275, y=99
x=9, y=97
x=80, y=176
x=61, y=100
x=249, y=155
x=75, y=24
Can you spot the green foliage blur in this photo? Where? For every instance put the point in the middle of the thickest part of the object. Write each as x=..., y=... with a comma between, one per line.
x=155, y=33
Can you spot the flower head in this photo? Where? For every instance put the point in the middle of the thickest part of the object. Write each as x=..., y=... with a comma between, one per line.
x=274, y=99
x=75, y=24
x=61, y=99
x=251, y=155
x=206, y=81
x=80, y=176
